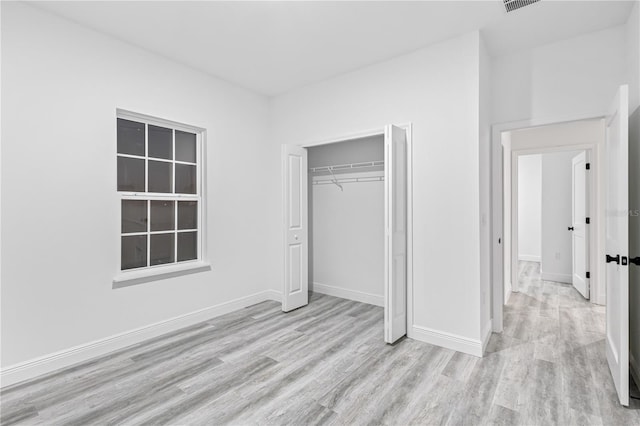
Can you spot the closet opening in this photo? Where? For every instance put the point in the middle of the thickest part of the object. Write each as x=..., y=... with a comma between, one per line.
x=346, y=219
x=347, y=225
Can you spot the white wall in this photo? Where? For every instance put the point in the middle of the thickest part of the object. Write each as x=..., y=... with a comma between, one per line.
x=529, y=207
x=436, y=89
x=485, y=190
x=557, y=196
x=60, y=222
x=574, y=77
x=346, y=237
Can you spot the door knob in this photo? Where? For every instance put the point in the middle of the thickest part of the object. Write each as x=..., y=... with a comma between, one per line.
x=615, y=258
x=570, y=228
x=635, y=260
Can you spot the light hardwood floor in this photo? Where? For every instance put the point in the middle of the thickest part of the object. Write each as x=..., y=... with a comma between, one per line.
x=326, y=364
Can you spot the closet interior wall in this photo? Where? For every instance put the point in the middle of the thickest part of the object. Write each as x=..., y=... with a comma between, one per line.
x=346, y=219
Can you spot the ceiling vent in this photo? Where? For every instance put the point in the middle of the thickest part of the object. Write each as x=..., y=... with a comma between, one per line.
x=512, y=5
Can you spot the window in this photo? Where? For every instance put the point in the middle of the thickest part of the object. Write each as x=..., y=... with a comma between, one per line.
x=159, y=187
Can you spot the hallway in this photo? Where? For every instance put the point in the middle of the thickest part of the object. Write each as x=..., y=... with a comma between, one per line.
x=555, y=365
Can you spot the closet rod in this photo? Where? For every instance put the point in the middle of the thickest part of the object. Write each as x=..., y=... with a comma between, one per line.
x=349, y=180
x=375, y=163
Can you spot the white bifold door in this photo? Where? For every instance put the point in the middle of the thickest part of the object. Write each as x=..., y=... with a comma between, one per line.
x=395, y=282
x=617, y=242
x=579, y=228
x=296, y=227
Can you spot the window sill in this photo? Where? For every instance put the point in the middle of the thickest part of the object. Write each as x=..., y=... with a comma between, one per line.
x=126, y=279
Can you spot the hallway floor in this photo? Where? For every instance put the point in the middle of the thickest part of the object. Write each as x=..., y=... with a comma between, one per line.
x=327, y=363
x=555, y=369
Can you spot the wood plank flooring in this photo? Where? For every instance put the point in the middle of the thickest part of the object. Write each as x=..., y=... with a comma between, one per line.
x=327, y=364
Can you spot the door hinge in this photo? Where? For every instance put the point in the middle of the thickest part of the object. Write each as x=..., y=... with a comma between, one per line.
x=588, y=220
x=588, y=275
x=588, y=166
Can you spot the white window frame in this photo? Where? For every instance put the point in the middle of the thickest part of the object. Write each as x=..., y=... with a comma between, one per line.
x=133, y=276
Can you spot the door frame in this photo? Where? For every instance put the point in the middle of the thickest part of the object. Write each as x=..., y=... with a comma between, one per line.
x=380, y=131
x=498, y=153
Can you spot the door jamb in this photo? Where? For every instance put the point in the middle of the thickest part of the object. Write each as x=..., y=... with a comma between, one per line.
x=380, y=131
x=497, y=206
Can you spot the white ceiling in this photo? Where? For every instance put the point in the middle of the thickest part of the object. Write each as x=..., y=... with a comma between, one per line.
x=273, y=47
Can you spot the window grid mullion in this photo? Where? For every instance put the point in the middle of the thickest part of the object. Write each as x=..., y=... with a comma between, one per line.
x=146, y=158
x=175, y=231
x=199, y=178
x=172, y=196
x=146, y=189
x=137, y=157
x=175, y=204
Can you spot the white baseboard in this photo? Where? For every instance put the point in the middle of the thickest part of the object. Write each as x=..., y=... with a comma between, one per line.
x=274, y=295
x=529, y=258
x=447, y=340
x=634, y=368
x=507, y=292
x=48, y=363
x=558, y=278
x=358, y=296
x=486, y=335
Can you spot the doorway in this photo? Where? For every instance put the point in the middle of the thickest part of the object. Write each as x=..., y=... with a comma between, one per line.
x=393, y=170
x=551, y=220
x=607, y=138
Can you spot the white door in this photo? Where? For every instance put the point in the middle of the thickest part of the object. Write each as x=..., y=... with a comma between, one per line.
x=296, y=253
x=579, y=228
x=395, y=296
x=617, y=242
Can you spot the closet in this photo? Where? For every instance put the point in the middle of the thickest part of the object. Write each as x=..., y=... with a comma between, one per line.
x=346, y=219
x=347, y=222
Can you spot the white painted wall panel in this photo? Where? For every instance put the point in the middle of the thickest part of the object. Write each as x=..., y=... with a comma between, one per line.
x=485, y=187
x=437, y=89
x=569, y=78
x=61, y=85
x=347, y=226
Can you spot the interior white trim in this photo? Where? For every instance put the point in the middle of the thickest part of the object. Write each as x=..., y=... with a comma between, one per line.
x=529, y=258
x=486, y=335
x=125, y=279
x=507, y=296
x=558, y=278
x=348, y=137
x=447, y=340
x=344, y=293
x=67, y=357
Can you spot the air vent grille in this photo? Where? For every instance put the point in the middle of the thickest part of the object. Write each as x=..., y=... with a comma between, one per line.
x=512, y=5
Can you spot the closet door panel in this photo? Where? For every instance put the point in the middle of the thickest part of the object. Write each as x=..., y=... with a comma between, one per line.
x=396, y=234
x=296, y=252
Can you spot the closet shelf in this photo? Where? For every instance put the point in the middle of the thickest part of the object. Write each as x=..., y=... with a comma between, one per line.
x=376, y=163
x=348, y=180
